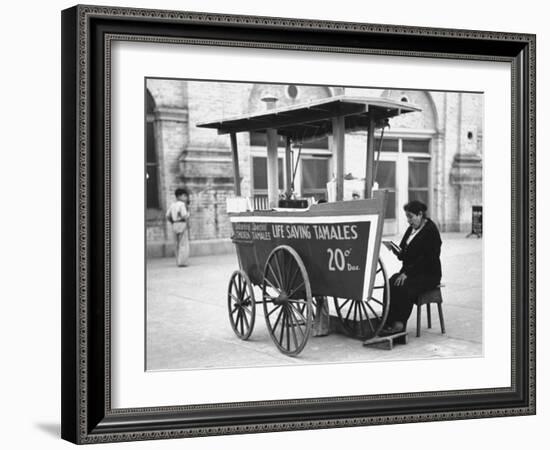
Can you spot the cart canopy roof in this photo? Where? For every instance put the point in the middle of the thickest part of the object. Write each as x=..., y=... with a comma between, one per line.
x=313, y=120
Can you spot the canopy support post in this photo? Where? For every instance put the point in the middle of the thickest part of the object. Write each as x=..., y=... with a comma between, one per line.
x=272, y=168
x=369, y=171
x=235, y=154
x=288, y=169
x=338, y=136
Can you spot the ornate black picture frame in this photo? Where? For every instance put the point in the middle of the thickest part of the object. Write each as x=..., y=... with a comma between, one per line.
x=87, y=35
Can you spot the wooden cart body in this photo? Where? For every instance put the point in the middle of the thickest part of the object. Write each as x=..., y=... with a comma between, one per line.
x=337, y=242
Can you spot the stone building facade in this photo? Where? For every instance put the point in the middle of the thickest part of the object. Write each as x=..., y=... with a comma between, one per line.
x=434, y=155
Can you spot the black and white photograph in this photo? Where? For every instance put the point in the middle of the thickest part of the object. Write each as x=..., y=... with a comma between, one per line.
x=293, y=224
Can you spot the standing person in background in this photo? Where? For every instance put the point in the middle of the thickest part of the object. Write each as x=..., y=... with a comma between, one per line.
x=178, y=216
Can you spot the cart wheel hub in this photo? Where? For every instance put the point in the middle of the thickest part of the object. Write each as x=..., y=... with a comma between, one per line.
x=281, y=299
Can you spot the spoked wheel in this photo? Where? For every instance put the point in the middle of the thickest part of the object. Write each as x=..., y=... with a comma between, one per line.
x=365, y=318
x=241, y=304
x=288, y=306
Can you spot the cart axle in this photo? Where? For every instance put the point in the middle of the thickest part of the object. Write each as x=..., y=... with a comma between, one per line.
x=281, y=299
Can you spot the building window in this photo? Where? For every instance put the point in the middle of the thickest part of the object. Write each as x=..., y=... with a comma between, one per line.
x=259, y=181
x=388, y=145
x=315, y=176
x=385, y=177
x=151, y=159
x=416, y=145
x=259, y=173
x=418, y=180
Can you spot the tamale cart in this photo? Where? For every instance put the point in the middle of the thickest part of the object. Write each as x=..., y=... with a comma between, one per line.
x=300, y=256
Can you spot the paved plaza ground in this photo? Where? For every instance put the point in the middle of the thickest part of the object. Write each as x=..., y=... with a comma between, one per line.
x=188, y=325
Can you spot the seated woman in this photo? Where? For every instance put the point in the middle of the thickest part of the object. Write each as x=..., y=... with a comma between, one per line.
x=421, y=270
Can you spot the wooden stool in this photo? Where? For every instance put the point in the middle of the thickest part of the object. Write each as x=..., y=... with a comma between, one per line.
x=427, y=298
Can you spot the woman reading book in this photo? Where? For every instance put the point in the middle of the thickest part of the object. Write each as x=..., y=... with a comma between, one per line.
x=419, y=250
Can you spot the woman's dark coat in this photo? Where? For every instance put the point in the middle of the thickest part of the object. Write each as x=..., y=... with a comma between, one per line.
x=421, y=257
x=422, y=266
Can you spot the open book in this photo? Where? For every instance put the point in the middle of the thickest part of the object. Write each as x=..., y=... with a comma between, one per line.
x=392, y=246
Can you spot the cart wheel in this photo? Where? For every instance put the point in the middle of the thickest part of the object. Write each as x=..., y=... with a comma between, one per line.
x=288, y=306
x=365, y=318
x=241, y=304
